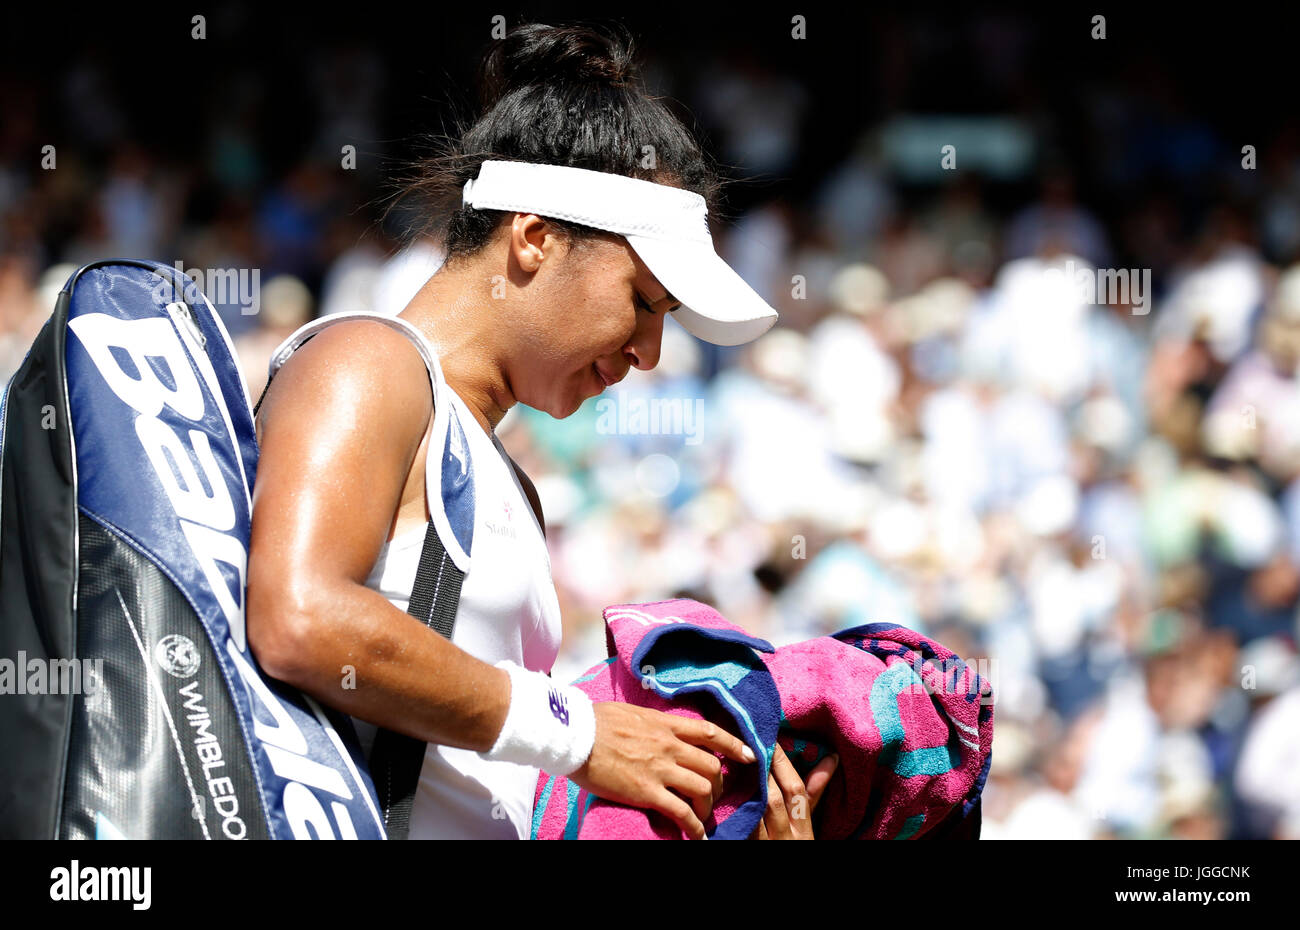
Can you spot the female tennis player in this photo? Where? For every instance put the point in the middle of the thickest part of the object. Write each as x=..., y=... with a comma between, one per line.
x=578, y=225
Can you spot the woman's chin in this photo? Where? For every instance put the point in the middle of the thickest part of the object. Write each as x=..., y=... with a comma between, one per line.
x=562, y=410
x=582, y=400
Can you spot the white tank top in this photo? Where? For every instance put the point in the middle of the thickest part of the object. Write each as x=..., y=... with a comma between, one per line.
x=508, y=606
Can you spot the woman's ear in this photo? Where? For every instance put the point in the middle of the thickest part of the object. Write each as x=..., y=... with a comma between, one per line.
x=531, y=239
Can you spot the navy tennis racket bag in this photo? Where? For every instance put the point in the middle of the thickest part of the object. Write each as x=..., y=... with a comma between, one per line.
x=130, y=704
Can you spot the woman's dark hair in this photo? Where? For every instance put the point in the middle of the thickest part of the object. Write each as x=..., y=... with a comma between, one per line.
x=561, y=95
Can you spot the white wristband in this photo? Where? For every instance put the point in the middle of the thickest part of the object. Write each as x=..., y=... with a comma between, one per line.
x=548, y=725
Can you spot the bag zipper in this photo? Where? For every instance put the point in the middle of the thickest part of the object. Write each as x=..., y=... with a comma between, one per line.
x=180, y=310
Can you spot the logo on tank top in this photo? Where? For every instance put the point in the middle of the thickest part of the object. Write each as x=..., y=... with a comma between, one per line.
x=503, y=529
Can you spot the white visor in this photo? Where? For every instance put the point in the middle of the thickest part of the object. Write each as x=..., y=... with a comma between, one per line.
x=666, y=226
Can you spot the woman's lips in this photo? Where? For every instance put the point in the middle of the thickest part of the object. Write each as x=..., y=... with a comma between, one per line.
x=601, y=375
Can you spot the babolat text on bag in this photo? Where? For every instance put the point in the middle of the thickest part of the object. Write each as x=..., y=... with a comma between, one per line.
x=127, y=458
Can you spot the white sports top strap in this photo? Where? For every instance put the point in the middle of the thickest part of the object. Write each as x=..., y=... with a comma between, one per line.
x=306, y=331
x=442, y=432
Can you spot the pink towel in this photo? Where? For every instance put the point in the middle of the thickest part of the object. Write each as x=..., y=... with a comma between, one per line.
x=912, y=724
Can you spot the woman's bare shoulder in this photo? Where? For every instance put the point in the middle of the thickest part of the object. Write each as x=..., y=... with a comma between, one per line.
x=339, y=431
x=353, y=368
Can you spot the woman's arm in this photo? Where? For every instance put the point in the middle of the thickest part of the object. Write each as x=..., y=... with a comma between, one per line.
x=337, y=442
x=339, y=430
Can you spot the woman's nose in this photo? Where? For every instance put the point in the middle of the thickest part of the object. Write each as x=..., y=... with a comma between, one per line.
x=643, y=351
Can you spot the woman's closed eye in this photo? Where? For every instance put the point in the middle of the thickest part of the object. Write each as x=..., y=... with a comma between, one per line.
x=644, y=304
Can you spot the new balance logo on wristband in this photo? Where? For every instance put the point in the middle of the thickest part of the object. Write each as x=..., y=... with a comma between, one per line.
x=560, y=707
x=557, y=743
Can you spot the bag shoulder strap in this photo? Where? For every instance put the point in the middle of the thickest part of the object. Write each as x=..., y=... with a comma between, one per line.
x=396, y=759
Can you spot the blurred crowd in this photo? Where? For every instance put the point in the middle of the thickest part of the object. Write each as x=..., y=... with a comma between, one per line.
x=1096, y=499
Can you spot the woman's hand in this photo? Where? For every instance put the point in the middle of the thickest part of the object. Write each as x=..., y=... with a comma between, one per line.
x=642, y=756
x=789, y=803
